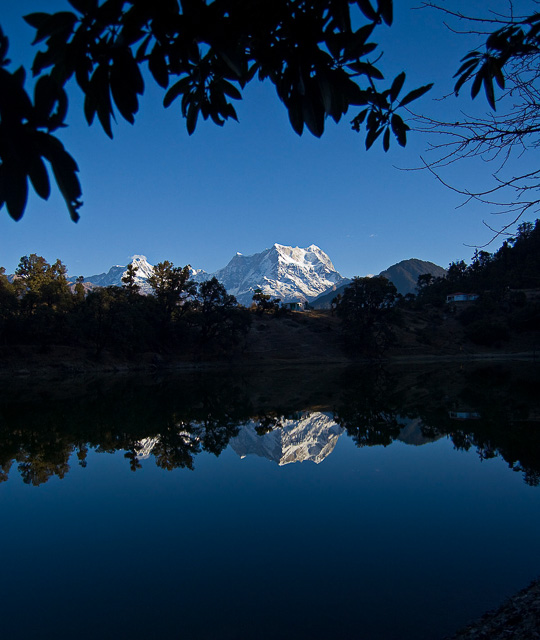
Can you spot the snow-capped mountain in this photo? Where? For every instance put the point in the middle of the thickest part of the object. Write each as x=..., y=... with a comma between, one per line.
x=312, y=436
x=114, y=275
x=289, y=273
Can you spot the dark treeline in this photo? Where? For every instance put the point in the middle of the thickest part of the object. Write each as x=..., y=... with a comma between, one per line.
x=182, y=417
x=501, y=280
x=515, y=265
x=40, y=307
x=491, y=409
x=506, y=285
x=369, y=314
x=44, y=429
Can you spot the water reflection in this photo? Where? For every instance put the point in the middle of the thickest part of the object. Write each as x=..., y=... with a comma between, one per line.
x=292, y=416
x=310, y=435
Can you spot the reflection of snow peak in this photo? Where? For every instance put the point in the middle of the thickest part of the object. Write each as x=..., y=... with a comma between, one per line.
x=311, y=437
x=145, y=446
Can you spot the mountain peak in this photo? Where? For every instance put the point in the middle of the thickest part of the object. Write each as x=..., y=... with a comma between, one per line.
x=405, y=274
x=282, y=271
x=139, y=258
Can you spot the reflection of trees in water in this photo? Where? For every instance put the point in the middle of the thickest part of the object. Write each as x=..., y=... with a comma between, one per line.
x=369, y=410
x=499, y=406
x=200, y=414
x=501, y=412
x=266, y=423
x=176, y=446
x=39, y=453
x=175, y=420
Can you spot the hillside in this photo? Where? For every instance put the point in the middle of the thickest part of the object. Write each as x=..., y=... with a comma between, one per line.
x=49, y=327
x=300, y=338
x=404, y=274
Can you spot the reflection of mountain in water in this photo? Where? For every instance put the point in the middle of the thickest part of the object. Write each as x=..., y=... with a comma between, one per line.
x=492, y=409
x=411, y=432
x=144, y=447
x=312, y=436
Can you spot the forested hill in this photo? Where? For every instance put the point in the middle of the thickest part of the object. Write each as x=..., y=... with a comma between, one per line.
x=404, y=274
x=515, y=265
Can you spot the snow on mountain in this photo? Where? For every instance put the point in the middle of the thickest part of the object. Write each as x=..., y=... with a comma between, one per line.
x=312, y=436
x=144, y=271
x=114, y=276
x=289, y=273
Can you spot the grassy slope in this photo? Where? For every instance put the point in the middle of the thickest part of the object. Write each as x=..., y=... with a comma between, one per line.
x=300, y=338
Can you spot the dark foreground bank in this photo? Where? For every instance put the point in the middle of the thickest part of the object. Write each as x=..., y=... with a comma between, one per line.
x=517, y=619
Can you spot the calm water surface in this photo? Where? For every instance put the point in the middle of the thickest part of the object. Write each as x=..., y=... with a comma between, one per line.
x=377, y=505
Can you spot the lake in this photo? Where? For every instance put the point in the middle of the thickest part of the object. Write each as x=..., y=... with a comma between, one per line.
x=369, y=503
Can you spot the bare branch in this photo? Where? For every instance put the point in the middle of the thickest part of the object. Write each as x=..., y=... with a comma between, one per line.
x=499, y=136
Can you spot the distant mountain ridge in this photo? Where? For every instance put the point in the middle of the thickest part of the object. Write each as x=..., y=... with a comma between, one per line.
x=293, y=274
x=404, y=276
x=288, y=273
x=114, y=275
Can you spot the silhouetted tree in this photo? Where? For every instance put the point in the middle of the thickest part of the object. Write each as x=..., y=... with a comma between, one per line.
x=506, y=68
x=129, y=280
x=316, y=54
x=171, y=286
x=80, y=292
x=367, y=310
x=264, y=302
x=205, y=53
x=424, y=280
x=218, y=315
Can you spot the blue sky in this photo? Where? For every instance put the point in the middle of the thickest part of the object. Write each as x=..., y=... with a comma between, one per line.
x=155, y=191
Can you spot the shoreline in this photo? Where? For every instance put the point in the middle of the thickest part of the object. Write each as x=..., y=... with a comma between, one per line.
x=518, y=618
x=66, y=361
